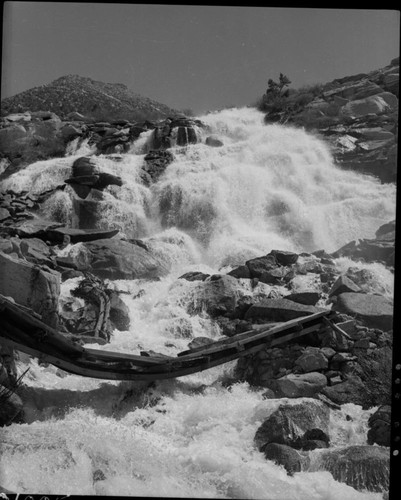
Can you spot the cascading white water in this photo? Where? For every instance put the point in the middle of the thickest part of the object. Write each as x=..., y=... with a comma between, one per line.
x=268, y=187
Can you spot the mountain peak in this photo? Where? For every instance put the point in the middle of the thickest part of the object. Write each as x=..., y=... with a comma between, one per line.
x=94, y=99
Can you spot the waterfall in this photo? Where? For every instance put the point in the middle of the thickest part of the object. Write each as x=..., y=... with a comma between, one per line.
x=267, y=187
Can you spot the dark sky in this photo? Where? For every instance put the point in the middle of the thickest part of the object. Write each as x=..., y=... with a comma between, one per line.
x=198, y=57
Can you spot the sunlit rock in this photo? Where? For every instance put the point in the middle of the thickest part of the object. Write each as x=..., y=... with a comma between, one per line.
x=342, y=285
x=374, y=311
x=31, y=286
x=299, y=385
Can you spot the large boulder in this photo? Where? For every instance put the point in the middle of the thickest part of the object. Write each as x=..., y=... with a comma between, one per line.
x=292, y=460
x=380, y=426
x=155, y=164
x=12, y=138
x=351, y=390
x=289, y=423
x=343, y=284
x=268, y=269
x=11, y=406
x=362, y=467
x=380, y=249
x=279, y=310
x=374, y=311
x=307, y=298
x=121, y=259
x=119, y=312
x=373, y=104
x=312, y=360
x=299, y=385
x=31, y=286
x=217, y=295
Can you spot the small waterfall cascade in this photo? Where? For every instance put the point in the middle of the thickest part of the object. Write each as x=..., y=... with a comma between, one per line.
x=258, y=188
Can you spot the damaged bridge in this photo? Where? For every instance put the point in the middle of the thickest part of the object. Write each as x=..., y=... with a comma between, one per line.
x=22, y=330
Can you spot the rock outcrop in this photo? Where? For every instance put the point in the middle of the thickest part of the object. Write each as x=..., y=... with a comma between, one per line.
x=362, y=467
x=295, y=425
x=357, y=115
x=31, y=286
x=120, y=259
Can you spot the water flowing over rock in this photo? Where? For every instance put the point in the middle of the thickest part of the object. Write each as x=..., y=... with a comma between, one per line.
x=362, y=467
x=289, y=423
x=170, y=252
x=284, y=455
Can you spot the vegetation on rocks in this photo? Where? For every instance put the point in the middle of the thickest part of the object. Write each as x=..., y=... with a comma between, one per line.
x=95, y=100
x=357, y=115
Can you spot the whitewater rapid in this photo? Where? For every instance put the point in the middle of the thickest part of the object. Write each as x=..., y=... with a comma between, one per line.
x=268, y=187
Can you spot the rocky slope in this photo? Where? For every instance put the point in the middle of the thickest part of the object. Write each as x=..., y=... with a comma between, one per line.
x=357, y=115
x=93, y=99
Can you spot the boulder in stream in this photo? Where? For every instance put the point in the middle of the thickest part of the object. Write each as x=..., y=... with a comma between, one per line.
x=290, y=422
x=380, y=426
x=362, y=467
x=31, y=286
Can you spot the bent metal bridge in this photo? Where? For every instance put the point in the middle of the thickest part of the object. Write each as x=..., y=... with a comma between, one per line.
x=21, y=330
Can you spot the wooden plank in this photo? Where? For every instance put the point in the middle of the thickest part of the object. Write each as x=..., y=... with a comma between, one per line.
x=337, y=328
x=26, y=322
x=251, y=335
x=113, y=355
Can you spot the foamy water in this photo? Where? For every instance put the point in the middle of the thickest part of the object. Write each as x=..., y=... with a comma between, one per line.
x=268, y=187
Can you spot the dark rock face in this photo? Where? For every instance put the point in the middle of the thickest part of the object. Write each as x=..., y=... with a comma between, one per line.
x=119, y=312
x=285, y=258
x=156, y=163
x=120, y=259
x=305, y=298
x=217, y=296
x=284, y=455
x=194, y=276
x=279, y=310
x=213, y=141
x=289, y=423
x=313, y=359
x=31, y=286
x=380, y=249
x=351, y=390
x=362, y=467
x=86, y=173
x=11, y=406
x=299, y=385
x=374, y=311
x=380, y=427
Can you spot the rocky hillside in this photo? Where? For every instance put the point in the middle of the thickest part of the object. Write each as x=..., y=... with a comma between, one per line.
x=101, y=101
x=357, y=115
